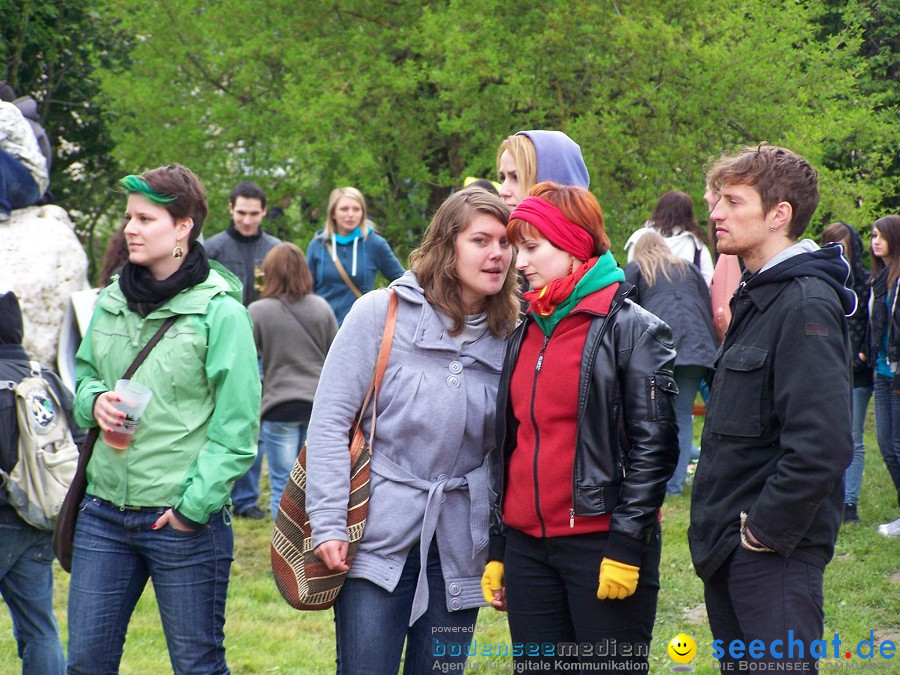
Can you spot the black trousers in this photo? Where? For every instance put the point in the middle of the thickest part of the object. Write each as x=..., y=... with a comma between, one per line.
x=554, y=614
x=763, y=596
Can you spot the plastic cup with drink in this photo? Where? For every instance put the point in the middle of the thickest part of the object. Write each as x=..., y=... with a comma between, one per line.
x=135, y=397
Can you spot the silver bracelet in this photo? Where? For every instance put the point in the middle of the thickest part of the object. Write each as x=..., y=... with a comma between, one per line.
x=745, y=540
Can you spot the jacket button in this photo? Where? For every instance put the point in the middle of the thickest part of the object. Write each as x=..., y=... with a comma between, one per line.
x=454, y=603
x=453, y=381
x=455, y=367
x=454, y=589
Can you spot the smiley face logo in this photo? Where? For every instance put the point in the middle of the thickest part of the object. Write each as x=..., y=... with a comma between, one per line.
x=682, y=648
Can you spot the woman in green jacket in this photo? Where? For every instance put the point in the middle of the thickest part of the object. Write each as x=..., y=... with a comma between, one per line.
x=157, y=509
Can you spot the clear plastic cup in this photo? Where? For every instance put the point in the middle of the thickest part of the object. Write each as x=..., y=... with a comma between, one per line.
x=135, y=397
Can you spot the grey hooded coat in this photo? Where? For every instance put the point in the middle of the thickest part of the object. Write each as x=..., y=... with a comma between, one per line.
x=434, y=432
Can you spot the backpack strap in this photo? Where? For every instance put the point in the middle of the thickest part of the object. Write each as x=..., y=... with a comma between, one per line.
x=35, y=368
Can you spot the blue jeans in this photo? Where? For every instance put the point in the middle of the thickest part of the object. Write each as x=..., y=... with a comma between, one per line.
x=853, y=475
x=245, y=492
x=115, y=553
x=688, y=380
x=17, y=187
x=26, y=582
x=372, y=623
x=887, y=424
x=282, y=442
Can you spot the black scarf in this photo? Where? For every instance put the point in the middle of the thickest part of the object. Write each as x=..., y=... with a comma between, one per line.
x=145, y=294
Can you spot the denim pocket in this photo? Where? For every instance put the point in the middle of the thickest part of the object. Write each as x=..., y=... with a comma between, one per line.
x=184, y=534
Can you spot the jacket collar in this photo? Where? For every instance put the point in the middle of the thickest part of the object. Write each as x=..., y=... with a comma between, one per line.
x=193, y=300
x=431, y=334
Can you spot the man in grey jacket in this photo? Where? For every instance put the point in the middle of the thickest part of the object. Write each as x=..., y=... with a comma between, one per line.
x=241, y=248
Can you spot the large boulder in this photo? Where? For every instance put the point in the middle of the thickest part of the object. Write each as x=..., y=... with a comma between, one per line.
x=42, y=260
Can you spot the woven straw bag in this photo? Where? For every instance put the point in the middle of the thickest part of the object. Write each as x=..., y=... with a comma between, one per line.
x=302, y=578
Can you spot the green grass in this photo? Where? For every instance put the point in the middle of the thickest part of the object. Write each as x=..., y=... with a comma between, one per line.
x=264, y=635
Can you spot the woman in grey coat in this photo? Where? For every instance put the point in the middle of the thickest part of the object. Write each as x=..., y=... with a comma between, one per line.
x=417, y=574
x=675, y=291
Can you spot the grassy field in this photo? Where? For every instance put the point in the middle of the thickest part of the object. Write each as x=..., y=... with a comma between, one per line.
x=264, y=635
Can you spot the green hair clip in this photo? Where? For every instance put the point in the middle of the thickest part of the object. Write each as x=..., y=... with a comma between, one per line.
x=137, y=184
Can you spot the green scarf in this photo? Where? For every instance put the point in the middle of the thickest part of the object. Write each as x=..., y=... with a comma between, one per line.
x=604, y=272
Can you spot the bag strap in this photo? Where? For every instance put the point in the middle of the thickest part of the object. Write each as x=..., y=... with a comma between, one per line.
x=342, y=271
x=300, y=323
x=87, y=447
x=384, y=353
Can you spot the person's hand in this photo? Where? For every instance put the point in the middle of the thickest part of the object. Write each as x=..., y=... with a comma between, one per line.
x=493, y=586
x=753, y=540
x=169, y=518
x=334, y=554
x=105, y=412
x=618, y=580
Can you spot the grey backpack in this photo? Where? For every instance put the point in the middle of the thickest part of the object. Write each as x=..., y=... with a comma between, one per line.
x=48, y=456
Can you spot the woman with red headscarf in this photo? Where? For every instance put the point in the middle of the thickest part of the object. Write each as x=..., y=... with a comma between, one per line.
x=587, y=440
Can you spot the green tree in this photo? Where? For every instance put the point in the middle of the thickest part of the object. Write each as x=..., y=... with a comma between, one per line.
x=403, y=99
x=51, y=50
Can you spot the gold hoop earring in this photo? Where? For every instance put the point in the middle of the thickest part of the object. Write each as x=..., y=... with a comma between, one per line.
x=178, y=252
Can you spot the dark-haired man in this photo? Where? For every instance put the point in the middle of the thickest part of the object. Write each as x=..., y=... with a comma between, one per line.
x=241, y=248
x=767, y=500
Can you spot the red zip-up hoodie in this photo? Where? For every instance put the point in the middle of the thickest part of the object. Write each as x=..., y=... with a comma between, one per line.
x=543, y=392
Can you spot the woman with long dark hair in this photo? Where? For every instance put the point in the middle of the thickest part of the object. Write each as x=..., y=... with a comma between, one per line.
x=884, y=348
x=847, y=236
x=587, y=440
x=293, y=329
x=673, y=219
x=157, y=510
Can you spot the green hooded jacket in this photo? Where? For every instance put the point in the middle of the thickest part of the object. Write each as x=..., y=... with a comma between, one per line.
x=199, y=431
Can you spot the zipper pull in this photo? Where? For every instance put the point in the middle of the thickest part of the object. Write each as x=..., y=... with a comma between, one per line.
x=571, y=517
x=540, y=360
x=652, y=388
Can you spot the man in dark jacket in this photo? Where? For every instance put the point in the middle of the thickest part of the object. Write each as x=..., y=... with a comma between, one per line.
x=26, y=576
x=768, y=493
x=241, y=248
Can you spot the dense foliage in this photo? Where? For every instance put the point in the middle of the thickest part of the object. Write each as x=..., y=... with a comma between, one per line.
x=404, y=99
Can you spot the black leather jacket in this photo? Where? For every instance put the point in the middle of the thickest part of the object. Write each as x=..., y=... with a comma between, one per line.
x=627, y=440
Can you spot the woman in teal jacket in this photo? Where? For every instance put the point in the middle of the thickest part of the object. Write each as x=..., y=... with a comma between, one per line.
x=157, y=510
x=348, y=241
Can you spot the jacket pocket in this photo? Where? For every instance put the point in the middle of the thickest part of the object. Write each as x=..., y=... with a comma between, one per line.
x=661, y=393
x=740, y=397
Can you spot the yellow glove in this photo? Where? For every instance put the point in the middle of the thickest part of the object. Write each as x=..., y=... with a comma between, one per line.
x=491, y=580
x=617, y=580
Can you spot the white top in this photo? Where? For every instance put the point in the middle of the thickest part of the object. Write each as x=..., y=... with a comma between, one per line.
x=682, y=244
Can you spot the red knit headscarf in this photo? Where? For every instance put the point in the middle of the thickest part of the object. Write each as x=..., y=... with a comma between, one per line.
x=553, y=224
x=565, y=235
